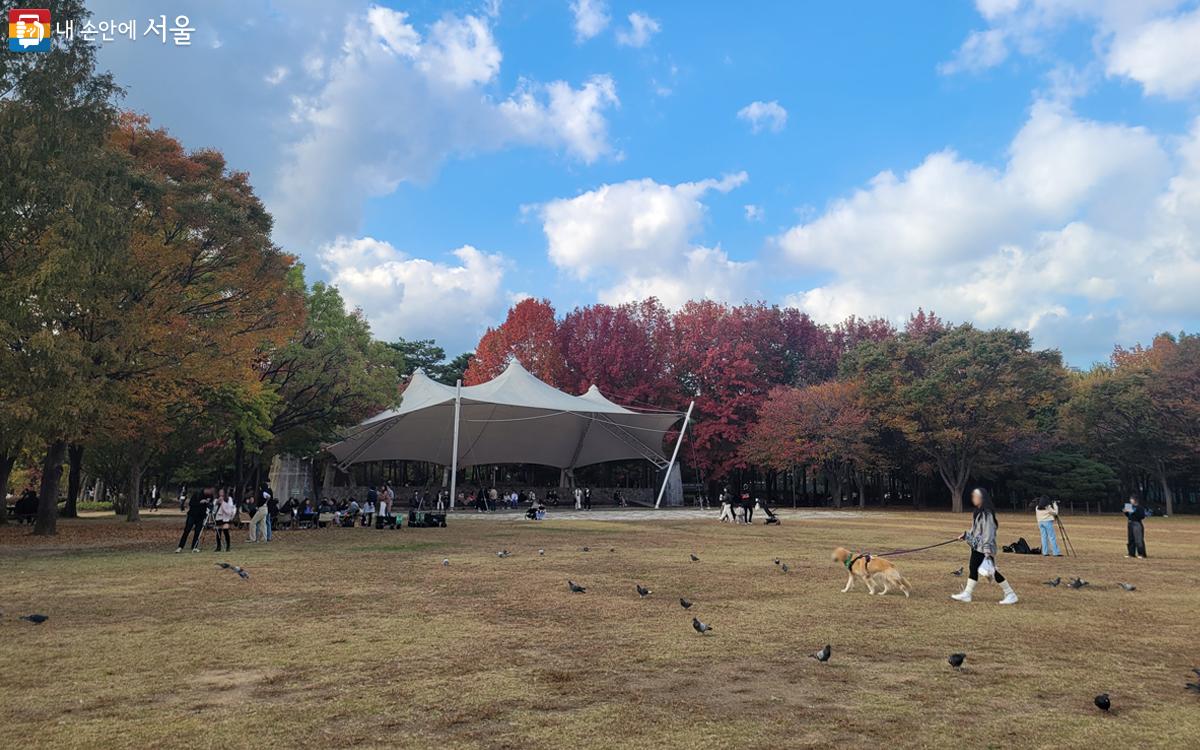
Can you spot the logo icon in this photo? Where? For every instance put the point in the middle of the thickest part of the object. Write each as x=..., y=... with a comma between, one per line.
x=29, y=30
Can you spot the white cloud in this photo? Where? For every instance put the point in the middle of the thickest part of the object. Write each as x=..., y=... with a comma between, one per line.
x=700, y=273
x=636, y=237
x=641, y=28
x=571, y=117
x=1088, y=224
x=591, y=18
x=354, y=143
x=1151, y=42
x=1163, y=55
x=754, y=213
x=276, y=76
x=981, y=50
x=460, y=51
x=413, y=297
x=764, y=116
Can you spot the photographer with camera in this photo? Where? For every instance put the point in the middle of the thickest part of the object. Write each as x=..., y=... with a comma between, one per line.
x=197, y=513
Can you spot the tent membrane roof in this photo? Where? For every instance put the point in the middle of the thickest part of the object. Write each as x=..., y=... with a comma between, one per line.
x=513, y=418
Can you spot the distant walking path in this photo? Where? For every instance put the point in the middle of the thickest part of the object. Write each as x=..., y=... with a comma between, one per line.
x=648, y=514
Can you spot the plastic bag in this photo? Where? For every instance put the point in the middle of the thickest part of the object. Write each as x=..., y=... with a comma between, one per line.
x=987, y=568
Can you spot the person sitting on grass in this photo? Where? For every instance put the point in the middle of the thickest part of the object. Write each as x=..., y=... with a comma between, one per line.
x=27, y=506
x=308, y=512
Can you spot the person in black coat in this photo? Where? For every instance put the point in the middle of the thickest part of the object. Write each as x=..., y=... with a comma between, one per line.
x=197, y=511
x=1136, y=535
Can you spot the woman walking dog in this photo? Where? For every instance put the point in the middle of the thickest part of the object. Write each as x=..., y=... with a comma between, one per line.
x=982, y=538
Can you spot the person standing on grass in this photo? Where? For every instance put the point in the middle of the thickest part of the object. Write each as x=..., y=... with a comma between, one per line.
x=197, y=512
x=258, y=519
x=1046, y=513
x=1136, y=534
x=982, y=538
x=226, y=510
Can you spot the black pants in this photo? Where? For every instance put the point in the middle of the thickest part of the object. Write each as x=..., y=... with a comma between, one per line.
x=193, y=525
x=1136, y=539
x=224, y=531
x=977, y=560
x=749, y=513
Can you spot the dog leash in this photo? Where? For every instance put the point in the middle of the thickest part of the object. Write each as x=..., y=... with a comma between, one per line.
x=916, y=549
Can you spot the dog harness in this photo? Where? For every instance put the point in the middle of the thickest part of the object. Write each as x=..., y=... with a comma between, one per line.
x=855, y=558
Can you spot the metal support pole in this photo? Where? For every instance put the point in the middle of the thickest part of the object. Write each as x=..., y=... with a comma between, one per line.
x=454, y=456
x=674, y=454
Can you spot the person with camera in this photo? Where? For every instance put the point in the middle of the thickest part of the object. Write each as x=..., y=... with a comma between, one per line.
x=226, y=510
x=1135, y=543
x=1046, y=513
x=197, y=513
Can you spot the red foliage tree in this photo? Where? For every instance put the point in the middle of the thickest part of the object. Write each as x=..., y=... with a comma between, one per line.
x=529, y=333
x=621, y=350
x=825, y=427
x=727, y=359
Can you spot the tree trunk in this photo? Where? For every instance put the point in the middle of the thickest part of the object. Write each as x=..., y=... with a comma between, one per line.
x=862, y=491
x=1168, y=495
x=7, y=462
x=75, y=464
x=955, y=471
x=239, y=461
x=47, y=518
x=136, y=468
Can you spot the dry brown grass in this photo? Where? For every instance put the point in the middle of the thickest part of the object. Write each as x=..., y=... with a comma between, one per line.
x=354, y=637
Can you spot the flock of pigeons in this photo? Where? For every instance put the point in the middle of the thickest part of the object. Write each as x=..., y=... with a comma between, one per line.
x=955, y=660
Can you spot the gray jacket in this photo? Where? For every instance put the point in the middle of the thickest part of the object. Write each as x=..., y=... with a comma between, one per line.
x=982, y=536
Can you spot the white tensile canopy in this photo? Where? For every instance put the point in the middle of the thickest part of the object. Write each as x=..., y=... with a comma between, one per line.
x=513, y=418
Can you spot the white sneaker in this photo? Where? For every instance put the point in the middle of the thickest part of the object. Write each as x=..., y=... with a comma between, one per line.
x=195, y=549
x=178, y=550
x=962, y=596
x=1009, y=599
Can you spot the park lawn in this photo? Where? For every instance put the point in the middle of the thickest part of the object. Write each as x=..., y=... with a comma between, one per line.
x=361, y=638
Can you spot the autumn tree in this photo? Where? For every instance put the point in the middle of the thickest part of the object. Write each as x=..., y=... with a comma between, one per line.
x=530, y=334
x=623, y=350
x=59, y=191
x=825, y=427
x=965, y=398
x=1141, y=412
x=727, y=359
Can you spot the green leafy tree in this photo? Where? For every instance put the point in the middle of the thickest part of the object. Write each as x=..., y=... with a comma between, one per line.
x=1064, y=474
x=330, y=376
x=964, y=398
x=60, y=192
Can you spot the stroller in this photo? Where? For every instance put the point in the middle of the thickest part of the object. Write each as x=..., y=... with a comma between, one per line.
x=772, y=519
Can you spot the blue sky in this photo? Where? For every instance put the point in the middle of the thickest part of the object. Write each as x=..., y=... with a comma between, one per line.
x=1029, y=163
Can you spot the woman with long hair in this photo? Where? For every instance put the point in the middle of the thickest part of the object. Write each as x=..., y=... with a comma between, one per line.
x=226, y=510
x=982, y=538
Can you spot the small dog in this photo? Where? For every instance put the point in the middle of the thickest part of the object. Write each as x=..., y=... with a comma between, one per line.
x=878, y=574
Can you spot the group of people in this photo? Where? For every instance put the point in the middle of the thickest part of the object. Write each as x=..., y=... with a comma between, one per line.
x=982, y=539
x=215, y=508
x=740, y=509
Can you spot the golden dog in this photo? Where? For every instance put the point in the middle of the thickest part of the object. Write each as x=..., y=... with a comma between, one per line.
x=879, y=575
